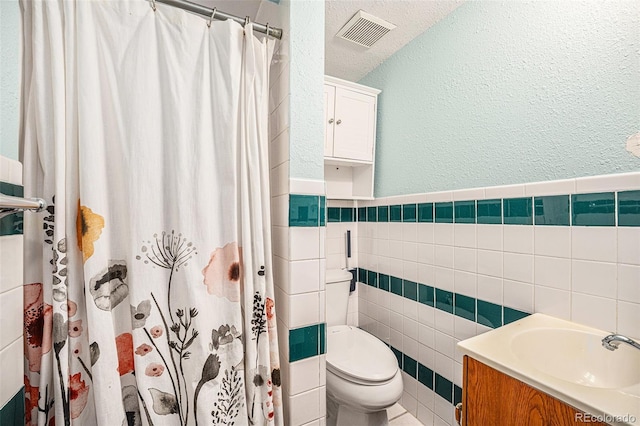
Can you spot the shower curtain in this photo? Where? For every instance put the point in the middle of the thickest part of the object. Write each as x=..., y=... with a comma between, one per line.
x=148, y=296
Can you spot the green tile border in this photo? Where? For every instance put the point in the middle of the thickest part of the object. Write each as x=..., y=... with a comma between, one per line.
x=464, y=211
x=13, y=223
x=444, y=212
x=552, y=210
x=597, y=209
x=592, y=209
x=383, y=213
x=395, y=213
x=517, y=211
x=425, y=212
x=489, y=212
x=629, y=208
x=307, y=210
x=470, y=308
x=12, y=413
x=409, y=213
x=307, y=342
x=347, y=214
x=372, y=214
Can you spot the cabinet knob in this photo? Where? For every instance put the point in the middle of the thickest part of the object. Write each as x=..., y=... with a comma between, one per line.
x=339, y=121
x=331, y=121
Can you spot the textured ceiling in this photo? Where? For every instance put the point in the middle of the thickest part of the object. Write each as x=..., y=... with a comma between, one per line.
x=351, y=62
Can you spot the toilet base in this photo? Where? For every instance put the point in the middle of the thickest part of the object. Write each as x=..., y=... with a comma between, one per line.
x=343, y=415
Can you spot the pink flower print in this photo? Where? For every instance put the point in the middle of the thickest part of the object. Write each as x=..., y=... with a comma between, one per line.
x=38, y=325
x=269, y=307
x=72, y=308
x=143, y=349
x=77, y=350
x=75, y=328
x=154, y=370
x=156, y=331
x=78, y=395
x=223, y=274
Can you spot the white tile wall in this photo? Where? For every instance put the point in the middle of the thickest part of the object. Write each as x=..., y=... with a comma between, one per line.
x=589, y=275
x=298, y=261
x=11, y=345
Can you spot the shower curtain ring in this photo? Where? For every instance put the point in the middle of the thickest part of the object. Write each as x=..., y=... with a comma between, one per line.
x=212, y=17
x=267, y=30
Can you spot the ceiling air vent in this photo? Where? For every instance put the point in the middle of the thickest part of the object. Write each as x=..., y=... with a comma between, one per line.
x=365, y=29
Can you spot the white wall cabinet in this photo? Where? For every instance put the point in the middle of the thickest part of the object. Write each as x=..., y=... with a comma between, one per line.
x=350, y=135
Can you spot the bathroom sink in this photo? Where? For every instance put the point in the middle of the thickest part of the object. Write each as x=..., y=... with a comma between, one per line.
x=567, y=361
x=578, y=357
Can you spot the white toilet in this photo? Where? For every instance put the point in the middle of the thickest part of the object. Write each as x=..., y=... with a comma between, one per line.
x=363, y=378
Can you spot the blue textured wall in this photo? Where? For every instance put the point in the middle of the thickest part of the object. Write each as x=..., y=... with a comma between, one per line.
x=9, y=77
x=306, y=82
x=510, y=92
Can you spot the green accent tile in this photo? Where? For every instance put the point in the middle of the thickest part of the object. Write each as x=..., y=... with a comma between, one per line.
x=303, y=343
x=396, y=286
x=333, y=214
x=12, y=413
x=425, y=295
x=489, y=314
x=444, y=387
x=489, y=212
x=593, y=209
x=362, y=214
x=363, y=276
x=410, y=290
x=465, y=211
x=322, y=337
x=372, y=279
x=398, y=355
x=304, y=210
x=629, y=208
x=408, y=212
x=457, y=394
x=444, y=300
x=425, y=376
x=383, y=282
x=323, y=210
x=551, y=210
x=409, y=366
x=372, y=214
x=383, y=213
x=425, y=212
x=511, y=315
x=346, y=214
x=444, y=212
x=465, y=307
x=13, y=223
x=518, y=211
x=395, y=213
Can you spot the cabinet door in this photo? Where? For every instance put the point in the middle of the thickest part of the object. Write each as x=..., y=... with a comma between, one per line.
x=329, y=120
x=493, y=398
x=354, y=131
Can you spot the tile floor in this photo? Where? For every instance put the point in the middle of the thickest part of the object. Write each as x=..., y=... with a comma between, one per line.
x=398, y=416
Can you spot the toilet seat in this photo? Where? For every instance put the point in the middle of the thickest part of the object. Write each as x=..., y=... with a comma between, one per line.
x=358, y=357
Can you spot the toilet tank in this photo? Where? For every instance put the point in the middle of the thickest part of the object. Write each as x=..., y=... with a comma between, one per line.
x=337, y=296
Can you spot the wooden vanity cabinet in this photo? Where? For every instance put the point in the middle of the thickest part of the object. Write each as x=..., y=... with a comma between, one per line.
x=492, y=398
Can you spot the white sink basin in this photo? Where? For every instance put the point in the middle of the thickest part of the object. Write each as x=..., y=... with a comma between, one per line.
x=578, y=357
x=567, y=361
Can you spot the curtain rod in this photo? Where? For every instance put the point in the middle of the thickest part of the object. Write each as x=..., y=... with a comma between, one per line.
x=207, y=13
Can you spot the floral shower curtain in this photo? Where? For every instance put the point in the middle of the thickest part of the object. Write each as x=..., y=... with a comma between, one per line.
x=149, y=292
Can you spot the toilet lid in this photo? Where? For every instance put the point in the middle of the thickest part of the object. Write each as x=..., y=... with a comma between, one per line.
x=354, y=353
